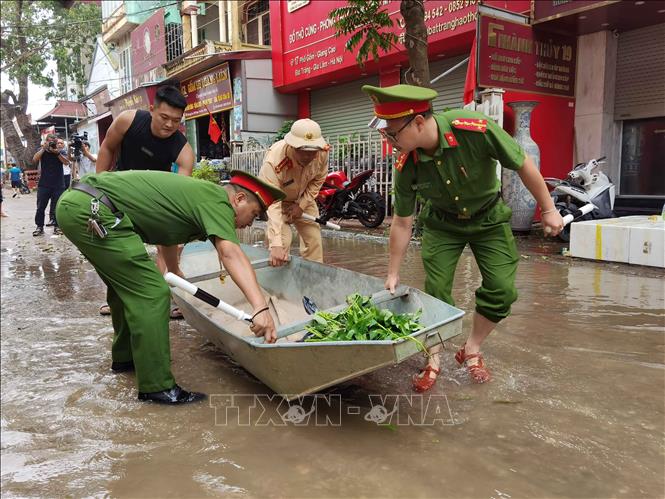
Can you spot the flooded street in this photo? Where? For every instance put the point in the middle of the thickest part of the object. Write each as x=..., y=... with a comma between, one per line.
x=575, y=409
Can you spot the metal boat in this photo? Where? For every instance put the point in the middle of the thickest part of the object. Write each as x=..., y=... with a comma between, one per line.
x=289, y=367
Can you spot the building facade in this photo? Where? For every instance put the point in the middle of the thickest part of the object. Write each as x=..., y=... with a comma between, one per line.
x=217, y=50
x=604, y=98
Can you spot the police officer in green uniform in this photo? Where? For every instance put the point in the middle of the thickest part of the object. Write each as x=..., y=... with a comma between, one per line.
x=109, y=217
x=449, y=160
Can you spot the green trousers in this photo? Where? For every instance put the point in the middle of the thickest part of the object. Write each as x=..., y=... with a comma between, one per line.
x=491, y=240
x=136, y=292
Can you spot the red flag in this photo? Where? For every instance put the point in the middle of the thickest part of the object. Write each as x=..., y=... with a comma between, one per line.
x=470, y=82
x=213, y=128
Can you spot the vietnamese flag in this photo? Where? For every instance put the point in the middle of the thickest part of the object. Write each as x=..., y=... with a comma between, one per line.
x=214, y=132
x=470, y=82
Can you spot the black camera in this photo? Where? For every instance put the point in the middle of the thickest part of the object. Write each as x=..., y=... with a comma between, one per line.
x=53, y=144
x=77, y=141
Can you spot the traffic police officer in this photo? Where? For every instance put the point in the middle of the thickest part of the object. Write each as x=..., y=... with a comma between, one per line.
x=449, y=160
x=109, y=217
x=298, y=165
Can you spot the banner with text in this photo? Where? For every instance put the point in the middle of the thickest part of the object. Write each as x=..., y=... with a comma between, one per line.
x=310, y=47
x=208, y=91
x=517, y=57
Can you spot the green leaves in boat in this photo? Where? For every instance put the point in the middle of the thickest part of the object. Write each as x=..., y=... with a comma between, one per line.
x=363, y=321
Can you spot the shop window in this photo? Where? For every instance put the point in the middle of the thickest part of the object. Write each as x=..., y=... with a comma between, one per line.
x=642, y=153
x=256, y=22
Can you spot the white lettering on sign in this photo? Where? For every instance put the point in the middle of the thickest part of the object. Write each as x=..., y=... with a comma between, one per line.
x=293, y=5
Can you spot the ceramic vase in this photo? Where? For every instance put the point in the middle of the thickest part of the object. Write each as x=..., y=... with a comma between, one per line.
x=515, y=194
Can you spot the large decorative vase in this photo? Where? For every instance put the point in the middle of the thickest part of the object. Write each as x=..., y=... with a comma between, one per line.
x=515, y=194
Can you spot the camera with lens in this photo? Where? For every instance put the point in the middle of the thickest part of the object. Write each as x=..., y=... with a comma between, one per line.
x=53, y=144
x=77, y=141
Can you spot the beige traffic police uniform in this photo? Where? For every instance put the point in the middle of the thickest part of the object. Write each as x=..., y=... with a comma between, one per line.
x=301, y=185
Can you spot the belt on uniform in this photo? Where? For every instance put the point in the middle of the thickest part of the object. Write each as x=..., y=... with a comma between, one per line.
x=97, y=194
x=484, y=209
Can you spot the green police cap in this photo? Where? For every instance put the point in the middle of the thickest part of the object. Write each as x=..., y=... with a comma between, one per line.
x=398, y=101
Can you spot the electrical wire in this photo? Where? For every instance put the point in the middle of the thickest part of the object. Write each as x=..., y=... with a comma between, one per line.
x=100, y=19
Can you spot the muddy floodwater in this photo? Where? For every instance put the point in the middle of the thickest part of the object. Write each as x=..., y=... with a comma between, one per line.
x=575, y=408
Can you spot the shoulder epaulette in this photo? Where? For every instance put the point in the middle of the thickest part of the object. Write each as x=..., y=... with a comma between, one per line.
x=403, y=158
x=285, y=163
x=470, y=124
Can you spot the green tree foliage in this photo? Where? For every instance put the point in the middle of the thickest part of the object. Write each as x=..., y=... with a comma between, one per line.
x=33, y=34
x=371, y=31
x=364, y=20
x=283, y=130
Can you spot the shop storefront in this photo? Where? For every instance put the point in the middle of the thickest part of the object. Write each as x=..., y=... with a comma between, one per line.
x=139, y=98
x=308, y=60
x=215, y=79
x=620, y=95
x=209, y=95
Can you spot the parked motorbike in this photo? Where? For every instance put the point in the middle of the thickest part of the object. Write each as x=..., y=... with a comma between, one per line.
x=581, y=187
x=340, y=197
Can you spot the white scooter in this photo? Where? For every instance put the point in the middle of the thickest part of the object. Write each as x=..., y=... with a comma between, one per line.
x=582, y=187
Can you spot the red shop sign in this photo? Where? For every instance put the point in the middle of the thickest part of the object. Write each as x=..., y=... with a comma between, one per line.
x=517, y=57
x=309, y=47
x=208, y=91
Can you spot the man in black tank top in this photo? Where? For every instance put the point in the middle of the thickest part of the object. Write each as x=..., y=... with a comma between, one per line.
x=142, y=140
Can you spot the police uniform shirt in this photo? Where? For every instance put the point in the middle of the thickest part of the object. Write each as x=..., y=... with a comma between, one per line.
x=169, y=209
x=460, y=177
x=300, y=184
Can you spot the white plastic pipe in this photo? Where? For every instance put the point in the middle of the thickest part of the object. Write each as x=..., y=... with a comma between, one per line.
x=188, y=287
x=314, y=219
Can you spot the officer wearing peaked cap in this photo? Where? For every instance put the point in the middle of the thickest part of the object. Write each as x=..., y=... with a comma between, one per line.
x=109, y=217
x=449, y=159
x=298, y=165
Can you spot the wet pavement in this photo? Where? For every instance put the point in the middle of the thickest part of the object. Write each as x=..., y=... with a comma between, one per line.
x=575, y=408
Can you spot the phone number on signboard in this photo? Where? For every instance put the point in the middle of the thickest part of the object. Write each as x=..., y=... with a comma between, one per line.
x=451, y=7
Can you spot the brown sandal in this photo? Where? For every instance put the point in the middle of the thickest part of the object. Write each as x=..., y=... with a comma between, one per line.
x=424, y=382
x=479, y=373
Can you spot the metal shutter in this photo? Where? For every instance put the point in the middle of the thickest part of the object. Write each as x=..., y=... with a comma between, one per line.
x=451, y=86
x=343, y=109
x=640, y=81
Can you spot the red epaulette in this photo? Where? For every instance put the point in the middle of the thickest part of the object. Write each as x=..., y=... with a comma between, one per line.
x=450, y=138
x=471, y=125
x=285, y=163
x=402, y=159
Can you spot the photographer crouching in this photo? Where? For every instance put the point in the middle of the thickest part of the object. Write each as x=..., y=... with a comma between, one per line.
x=50, y=160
